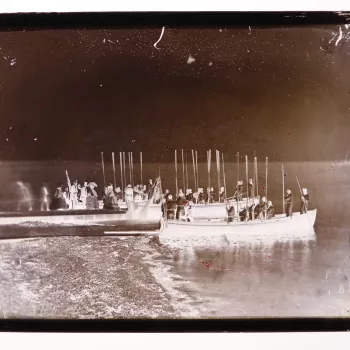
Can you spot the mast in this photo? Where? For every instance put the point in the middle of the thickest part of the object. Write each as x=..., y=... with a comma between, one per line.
x=176, y=185
x=113, y=162
x=218, y=168
x=284, y=209
x=183, y=170
x=237, y=194
x=141, y=168
x=194, y=172
x=103, y=170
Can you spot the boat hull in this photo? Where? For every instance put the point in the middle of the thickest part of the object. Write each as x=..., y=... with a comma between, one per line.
x=297, y=226
x=82, y=217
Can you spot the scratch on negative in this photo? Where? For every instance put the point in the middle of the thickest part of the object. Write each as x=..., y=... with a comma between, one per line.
x=340, y=36
x=160, y=38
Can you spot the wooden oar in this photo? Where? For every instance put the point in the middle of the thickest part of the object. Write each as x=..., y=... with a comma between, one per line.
x=141, y=168
x=197, y=171
x=283, y=201
x=176, y=184
x=113, y=163
x=237, y=186
x=194, y=172
x=121, y=174
x=103, y=170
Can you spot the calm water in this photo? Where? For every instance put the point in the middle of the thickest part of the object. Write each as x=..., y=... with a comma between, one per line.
x=255, y=278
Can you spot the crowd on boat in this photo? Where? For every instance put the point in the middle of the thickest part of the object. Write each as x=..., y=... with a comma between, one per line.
x=73, y=195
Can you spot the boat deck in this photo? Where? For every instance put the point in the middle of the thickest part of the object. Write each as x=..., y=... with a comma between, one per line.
x=59, y=213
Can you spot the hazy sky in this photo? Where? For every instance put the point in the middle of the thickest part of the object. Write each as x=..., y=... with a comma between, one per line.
x=70, y=94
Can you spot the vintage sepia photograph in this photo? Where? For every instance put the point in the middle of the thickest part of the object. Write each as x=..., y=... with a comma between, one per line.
x=175, y=171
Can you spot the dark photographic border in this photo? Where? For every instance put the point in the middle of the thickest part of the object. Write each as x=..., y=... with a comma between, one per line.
x=34, y=21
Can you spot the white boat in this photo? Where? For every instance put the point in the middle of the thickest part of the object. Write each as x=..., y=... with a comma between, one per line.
x=279, y=226
x=131, y=213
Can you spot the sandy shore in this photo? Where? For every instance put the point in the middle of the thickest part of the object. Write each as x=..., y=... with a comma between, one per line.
x=90, y=277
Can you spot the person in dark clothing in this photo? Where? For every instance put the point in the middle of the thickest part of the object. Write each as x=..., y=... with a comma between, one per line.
x=180, y=202
x=207, y=196
x=254, y=208
x=150, y=188
x=91, y=198
x=289, y=203
x=58, y=201
x=212, y=195
x=189, y=195
x=167, y=194
x=263, y=208
x=118, y=194
x=222, y=195
x=270, y=210
x=109, y=199
x=250, y=189
x=243, y=214
x=304, y=205
x=230, y=211
x=170, y=208
x=201, y=196
x=239, y=190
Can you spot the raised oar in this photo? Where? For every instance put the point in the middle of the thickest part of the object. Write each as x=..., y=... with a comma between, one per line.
x=283, y=201
x=103, y=170
x=223, y=171
x=176, y=184
x=197, y=171
x=141, y=168
x=246, y=178
x=218, y=168
x=129, y=158
x=267, y=161
x=132, y=169
x=121, y=173
x=124, y=167
x=183, y=170
x=194, y=172
x=209, y=166
x=187, y=186
x=113, y=162
x=237, y=192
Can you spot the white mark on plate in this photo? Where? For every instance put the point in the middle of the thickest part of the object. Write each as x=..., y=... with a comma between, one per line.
x=190, y=59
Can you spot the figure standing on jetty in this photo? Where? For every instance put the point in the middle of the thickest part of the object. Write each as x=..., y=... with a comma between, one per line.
x=289, y=203
x=25, y=198
x=44, y=198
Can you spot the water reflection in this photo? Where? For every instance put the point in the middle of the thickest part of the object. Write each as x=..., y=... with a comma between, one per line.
x=261, y=278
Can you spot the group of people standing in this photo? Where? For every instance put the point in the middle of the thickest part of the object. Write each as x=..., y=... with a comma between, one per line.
x=180, y=208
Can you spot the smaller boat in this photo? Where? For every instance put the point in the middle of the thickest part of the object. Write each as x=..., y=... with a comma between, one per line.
x=279, y=226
